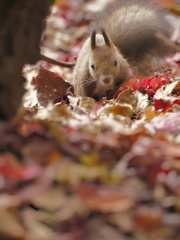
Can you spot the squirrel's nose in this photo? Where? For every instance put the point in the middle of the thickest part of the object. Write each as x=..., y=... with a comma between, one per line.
x=106, y=80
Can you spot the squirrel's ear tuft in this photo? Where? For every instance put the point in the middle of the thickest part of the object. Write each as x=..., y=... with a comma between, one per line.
x=106, y=39
x=93, y=40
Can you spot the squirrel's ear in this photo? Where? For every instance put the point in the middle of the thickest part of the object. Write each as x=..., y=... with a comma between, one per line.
x=93, y=40
x=106, y=39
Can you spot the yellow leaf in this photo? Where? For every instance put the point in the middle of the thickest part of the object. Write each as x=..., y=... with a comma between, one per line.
x=89, y=159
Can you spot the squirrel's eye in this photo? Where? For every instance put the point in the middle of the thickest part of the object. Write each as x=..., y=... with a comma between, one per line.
x=92, y=66
x=115, y=63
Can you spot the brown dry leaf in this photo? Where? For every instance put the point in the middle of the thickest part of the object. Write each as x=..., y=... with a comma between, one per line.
x=125, y=96
x=139, y=102
x=148, y=217
x=86, y=103
x=105, y=198
x=59, y=112
x=136, y=99
x=34, y=228
x=172, y=164
x=8, y=202
x=50, y=86
x=10, y=226
x=149, y=113
x=74, y=173
x=124, y=221
x=160, y=232
x=90, y=159
x=176, y=90
x=113, y=109
x=74, y=206
x=71, y=207
x=50, y=200
x=104, y=232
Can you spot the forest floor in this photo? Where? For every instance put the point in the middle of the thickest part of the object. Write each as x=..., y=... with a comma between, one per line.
x=73, y=168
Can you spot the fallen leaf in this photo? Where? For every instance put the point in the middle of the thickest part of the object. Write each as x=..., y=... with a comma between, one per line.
x=104, y=198
x=86, y=103
x=149, y=218
x=176, y=89
x=50, y=86
x=10, y=226
x=115, y=110
x=150, y=85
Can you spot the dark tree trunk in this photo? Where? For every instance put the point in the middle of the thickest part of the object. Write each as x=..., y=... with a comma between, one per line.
x=20, y=32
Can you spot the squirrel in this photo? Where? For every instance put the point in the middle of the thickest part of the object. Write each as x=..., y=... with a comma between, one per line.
x=123, y=41
x=125, y=36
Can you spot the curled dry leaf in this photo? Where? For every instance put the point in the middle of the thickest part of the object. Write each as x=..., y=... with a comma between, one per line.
x=86, y=103
x=136, y=99
x=115, y=109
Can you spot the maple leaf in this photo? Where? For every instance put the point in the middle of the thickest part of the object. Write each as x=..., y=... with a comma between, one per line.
x=164, y=105
x=50, y=87
x=149, y=85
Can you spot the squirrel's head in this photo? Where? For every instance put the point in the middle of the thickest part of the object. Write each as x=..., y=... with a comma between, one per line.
x=105, y=63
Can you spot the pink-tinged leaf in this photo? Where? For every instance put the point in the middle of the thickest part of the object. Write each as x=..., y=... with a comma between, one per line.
x=105, y=198
x=169, y=123
x=50, y=87
x=150, y=85
x=10, y=168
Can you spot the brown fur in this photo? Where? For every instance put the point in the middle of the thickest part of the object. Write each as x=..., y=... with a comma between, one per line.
x=131, y=25
x=126, y=34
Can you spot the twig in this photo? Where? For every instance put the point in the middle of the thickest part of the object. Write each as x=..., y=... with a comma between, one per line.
x=59, y=63
x=168, y=41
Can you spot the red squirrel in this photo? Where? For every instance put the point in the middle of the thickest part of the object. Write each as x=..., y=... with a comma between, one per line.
x=123, y=40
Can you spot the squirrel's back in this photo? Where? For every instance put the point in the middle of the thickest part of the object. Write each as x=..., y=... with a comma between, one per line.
x=132, y=26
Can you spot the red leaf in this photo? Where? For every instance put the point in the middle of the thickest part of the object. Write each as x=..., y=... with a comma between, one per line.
x=164, y=105
x=10, y=168
x=50, y=86
x=177, y=101
x=150, y=85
